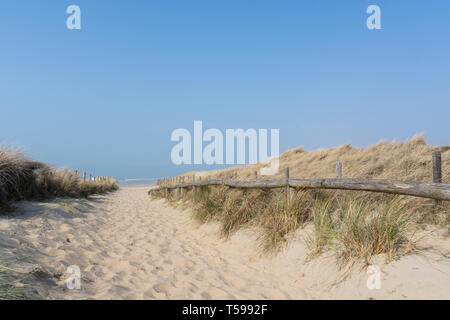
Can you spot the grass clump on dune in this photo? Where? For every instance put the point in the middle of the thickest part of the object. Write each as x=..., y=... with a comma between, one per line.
x=23, y=179
x=359, y=228
x=16, y=175
x=209, y=203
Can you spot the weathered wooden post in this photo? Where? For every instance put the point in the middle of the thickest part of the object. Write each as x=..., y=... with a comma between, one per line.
x=84, y=176
x=255, y=173
x=437, y=170
x=193, y=181
x=288, y=190
x=166, y=182
x=182, y=182
x=339, y=170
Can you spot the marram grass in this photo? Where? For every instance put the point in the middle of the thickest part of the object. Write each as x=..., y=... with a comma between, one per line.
x=355, y=225
x=23, y=179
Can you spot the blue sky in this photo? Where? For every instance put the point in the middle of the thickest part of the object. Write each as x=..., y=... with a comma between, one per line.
x=106, y=98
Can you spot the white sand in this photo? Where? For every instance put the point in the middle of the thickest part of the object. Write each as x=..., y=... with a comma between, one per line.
x=129, y=247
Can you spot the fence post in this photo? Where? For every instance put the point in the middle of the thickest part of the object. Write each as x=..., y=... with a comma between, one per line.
x=181, y=182
x=288, y=190
x=256, y=175
x=193, y=181
x=167, y=189
x=437, y=171
x=339, y=170
x=84, y=176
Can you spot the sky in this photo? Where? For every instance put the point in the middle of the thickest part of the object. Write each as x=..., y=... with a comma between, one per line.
x=105, y=99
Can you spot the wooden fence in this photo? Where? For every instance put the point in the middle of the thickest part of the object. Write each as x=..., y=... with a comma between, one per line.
x=91, y=177
x=433, y=190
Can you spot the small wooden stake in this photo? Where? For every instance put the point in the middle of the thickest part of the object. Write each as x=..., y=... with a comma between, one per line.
x=288, y=190
x=193, y=180
x=339, y=170
x=437, y=170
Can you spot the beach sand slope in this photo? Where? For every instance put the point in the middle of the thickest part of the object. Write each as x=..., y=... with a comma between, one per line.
x=129, y=247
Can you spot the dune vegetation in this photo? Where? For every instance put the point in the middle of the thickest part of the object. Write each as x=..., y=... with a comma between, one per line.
x=24, y=179
x=354, y=225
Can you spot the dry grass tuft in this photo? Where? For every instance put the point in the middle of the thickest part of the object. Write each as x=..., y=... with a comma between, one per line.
x=16, y=176
x=209, y=202
x=240, y=207
x=359, y=228
x=23, y=179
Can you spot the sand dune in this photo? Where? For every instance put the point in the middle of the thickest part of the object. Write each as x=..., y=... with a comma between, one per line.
x=129, y=247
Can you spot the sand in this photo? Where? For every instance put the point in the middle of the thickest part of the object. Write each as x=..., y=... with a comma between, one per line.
x=129, y=247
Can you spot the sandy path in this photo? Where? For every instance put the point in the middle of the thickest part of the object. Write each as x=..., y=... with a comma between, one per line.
x=129, y=247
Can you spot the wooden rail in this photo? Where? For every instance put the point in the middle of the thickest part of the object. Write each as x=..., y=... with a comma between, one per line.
x=433, y=190
x=438, y=191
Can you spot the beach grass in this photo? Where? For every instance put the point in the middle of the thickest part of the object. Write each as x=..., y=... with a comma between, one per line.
x=354, y=225
x=23, y=179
